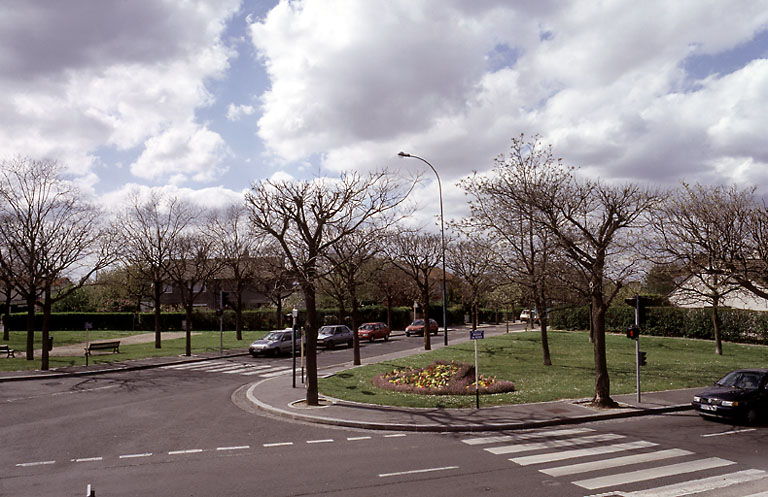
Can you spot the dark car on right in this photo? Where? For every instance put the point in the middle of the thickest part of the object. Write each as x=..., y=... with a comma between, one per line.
x=741, y=395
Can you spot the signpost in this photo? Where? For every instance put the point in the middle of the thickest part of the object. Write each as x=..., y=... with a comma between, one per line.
x=88, y=326
x=476, y=335
x=295, y=314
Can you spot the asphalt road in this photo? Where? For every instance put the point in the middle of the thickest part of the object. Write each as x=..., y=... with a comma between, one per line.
x=189, y=432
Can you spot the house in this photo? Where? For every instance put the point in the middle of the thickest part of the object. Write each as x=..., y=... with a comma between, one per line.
x=698, y=291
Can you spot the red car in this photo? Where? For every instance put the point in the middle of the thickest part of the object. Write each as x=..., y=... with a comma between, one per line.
x=417, y=327
x=372, y=331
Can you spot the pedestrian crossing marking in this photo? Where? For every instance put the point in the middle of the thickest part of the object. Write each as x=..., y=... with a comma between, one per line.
x=616, y=462
x=574, y=453
x=553, y=444
x=692, y=487
x=525, y=436
x=653, y=473
x=244, y=369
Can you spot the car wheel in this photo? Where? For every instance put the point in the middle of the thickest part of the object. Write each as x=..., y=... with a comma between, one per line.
x=372, y=338
x=254, y=355
x=407, y=333
x=386, y=337
x=350, y=343
x=752, y=417
x=330, y=345
x=276, y=353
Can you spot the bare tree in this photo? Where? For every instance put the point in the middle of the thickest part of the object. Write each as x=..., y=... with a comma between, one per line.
x=474, y=262
x=591, y=221
x=306, y=218
x=390, y=285
x=50, y=231
x=237, y=247
x=418, y=255
x=191, y=267
x=704, y=231
x=148, y=231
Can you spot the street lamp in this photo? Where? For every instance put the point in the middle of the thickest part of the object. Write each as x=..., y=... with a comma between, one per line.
x=442, y=242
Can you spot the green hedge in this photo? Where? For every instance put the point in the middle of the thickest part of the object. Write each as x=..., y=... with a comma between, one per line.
x=737, y=325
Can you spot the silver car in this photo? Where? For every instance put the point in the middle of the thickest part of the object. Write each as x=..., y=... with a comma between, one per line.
x=275, y=343
x=333, y=335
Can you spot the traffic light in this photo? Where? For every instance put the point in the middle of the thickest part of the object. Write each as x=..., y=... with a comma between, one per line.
x=633, y=332
x=219, y=313
x=225, y=300
x=641, y=359
x=641, y=309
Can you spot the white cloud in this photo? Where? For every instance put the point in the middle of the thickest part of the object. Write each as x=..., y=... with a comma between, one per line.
x=605, y=83
x=236, y=112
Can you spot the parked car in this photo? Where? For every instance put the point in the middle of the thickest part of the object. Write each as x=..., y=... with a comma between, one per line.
x=739, y=395
x=372, y=331
x=333, y=335
x=525, y=315
x=275, y=343
x=417, y=327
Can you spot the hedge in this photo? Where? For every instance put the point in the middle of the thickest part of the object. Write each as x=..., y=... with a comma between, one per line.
x=737, y=325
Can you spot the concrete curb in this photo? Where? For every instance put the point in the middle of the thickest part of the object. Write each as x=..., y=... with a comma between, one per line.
x=437, y=428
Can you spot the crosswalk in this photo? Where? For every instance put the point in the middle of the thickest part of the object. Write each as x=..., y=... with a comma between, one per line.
x=616, y=466
x=236, y=368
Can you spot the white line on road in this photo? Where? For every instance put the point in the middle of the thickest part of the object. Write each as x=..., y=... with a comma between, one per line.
x=396, y=435
x=276, y=372
x=615, y=462
x=87, y=459
x=653, y=473
x=130, y=456
x=188, y=451
x=574, y=453
x=525, y=436
x=698, y=486
x=324, y=441
x=553, y=444
x=238, y=447
x=732, y=432
x=416, y=471
x=351, y=439
x=278, y=444
x=37, y=463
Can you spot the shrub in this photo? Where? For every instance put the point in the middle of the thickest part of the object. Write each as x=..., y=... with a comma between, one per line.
x=440, y=378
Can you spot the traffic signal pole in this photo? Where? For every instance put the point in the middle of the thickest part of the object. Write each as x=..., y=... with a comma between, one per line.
x=637, y=345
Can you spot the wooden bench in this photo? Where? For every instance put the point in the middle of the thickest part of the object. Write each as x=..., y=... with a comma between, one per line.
x=5, y=349
x=112, y=344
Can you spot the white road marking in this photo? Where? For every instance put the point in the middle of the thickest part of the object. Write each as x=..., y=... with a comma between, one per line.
x=188, y=451
x=193, y=365
x=416, y=471
x=220, y=369
x=277, y=372
x=351, y=439
x=697, y=486
x=131, y=456
x=237, y=447
x=732, y=432
x=324, y=441
x=256, y=370
x=37, y=463
x=396, y=435
x=652, y=473
x=553, y=444
x=278, y=444
x=87, y=459
x=525, y=436
x=68, y=392
x=615, y=462
x=571, y=454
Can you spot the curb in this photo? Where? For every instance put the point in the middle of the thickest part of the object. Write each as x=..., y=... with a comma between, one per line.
x=439, y=428
x=136, y=367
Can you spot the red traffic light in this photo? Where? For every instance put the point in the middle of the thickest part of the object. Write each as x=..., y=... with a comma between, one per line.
x=633, y=332
x=219, y=312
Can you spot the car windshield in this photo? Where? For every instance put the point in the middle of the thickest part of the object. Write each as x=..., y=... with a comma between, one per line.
x=740, y=380
x=272, y=336
x=366, y=327
x=418, y=322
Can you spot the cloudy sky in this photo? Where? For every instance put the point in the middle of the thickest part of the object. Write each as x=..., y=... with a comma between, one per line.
x=202, y=97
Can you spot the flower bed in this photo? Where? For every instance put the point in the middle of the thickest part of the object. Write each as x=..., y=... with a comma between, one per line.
x=441, y=378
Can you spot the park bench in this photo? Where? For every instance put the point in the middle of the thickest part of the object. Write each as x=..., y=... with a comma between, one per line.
x=5, y=349
x=112, y=344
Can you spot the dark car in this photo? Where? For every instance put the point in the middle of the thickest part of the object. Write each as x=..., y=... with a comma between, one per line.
x=417, y=327
x=739, y=395
x=333, y=335
x=372, y=331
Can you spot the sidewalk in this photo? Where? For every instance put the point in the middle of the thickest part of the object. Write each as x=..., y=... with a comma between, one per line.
x=275, y=396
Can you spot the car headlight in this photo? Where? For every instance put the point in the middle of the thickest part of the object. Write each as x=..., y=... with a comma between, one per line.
x=696, y=398
x=730, y=403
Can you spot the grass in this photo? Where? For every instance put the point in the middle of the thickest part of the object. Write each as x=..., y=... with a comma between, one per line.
x=672, y=363
x=206, y=341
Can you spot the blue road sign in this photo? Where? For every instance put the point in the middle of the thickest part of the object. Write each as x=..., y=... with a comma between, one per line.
x=476, y=334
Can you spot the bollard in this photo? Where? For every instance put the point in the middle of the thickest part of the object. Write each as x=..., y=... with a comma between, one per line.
x=91, y=492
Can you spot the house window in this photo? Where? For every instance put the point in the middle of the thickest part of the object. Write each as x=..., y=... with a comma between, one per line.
x=167, y=288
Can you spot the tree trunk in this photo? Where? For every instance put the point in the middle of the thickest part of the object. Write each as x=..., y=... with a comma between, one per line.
x=716, y=322
x=188, y=329
x=310, y=329
x=355, y=340
x=31, y=324
x=7, y=316
x=389, y=312
x=602, y=396
x=279, y=305
x=425, y=314
x=157, y=292
x=44, y=354
x=543, y=322
x=239, y=313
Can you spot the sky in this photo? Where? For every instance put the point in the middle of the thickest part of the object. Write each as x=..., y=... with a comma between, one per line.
x=200, y=98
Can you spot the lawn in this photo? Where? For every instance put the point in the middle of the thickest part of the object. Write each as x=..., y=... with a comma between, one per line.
x=672, y=363
x=206, y=341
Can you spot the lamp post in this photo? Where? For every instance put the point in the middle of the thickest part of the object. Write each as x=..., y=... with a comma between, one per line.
x=442, y=243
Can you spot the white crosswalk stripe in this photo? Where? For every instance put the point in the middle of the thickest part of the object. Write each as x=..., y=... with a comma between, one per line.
x=244, y=369
x=638, y=463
